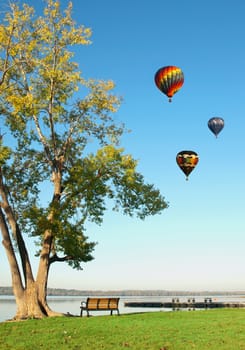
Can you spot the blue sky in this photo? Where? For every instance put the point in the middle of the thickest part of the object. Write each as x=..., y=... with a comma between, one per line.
x=198, y=242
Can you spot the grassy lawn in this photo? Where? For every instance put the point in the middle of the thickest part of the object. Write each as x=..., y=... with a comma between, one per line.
x=212, y=329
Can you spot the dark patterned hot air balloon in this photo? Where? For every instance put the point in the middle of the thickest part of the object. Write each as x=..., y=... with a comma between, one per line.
x=187, y=160
x=216, y=124
x=169, y=80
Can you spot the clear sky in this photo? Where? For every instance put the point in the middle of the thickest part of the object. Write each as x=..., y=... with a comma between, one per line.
x=198, y=242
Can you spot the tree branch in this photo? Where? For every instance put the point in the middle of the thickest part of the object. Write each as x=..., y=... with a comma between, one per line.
x=6, y=61
x=26, y=266
x=43, y=140
x=56, y=258
x=16, y=276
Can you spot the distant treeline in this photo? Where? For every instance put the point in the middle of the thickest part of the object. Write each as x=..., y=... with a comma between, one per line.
x=74, y=292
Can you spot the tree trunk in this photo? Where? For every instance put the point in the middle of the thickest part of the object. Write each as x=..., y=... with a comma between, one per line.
x=42, y=277
x=29, y=305
x=30, y=299
x=30, y=294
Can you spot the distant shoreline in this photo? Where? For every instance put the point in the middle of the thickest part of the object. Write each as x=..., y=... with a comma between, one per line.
x=131, y=292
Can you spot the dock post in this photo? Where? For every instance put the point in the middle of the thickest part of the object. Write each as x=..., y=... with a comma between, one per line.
x=191, y=304
x=207, y=302
x=175, y=304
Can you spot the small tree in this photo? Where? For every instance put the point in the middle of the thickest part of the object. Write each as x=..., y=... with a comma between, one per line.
x=51, y=126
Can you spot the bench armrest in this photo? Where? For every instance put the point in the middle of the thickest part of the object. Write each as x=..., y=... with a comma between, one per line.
x=83, y=305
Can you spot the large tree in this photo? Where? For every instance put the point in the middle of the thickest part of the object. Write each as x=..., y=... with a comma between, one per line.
x=53, y=178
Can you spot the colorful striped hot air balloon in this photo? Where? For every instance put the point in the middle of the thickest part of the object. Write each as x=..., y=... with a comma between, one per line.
x=187, y=160
x=169, y=80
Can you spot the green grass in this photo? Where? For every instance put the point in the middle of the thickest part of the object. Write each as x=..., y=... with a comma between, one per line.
x=211, y=329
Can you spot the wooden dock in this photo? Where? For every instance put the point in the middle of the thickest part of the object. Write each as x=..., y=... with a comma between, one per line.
x=190, y=304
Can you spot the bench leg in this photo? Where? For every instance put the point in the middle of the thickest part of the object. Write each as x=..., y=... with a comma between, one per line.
x=81, y=313
x=117, y=312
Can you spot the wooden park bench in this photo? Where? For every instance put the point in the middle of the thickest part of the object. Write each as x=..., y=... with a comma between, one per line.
x=100, y=304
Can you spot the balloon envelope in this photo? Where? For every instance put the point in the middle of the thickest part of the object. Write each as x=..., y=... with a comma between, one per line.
x=216, y=124
x=187, y=160
x=169, y=80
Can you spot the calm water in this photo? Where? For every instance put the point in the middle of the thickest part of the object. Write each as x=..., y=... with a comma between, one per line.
x=72, y=304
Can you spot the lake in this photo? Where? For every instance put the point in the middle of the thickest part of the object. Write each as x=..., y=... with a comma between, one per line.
x=68, y=304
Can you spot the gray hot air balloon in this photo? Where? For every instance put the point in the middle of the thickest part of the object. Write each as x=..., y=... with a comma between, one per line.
x=216, y=124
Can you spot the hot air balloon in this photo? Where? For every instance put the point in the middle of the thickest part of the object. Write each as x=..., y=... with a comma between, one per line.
x=216, y=124
x=169, y=80
x=187, y=160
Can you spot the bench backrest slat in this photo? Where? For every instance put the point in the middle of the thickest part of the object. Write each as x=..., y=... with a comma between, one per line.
x=113, y=303
x=92, y=303
x=103, y=304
